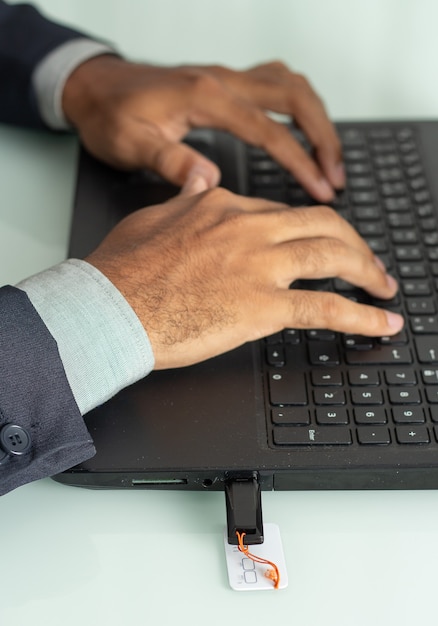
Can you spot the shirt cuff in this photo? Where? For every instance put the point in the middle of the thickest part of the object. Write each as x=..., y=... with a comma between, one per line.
x=102, y=343
x=52, y=72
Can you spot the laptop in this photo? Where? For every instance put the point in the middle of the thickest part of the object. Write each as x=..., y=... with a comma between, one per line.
x=300, y=409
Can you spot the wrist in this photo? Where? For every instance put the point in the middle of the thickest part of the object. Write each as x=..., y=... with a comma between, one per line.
x=88, y=84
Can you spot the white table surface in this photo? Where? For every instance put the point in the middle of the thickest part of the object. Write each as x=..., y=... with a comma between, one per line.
x=76, y=557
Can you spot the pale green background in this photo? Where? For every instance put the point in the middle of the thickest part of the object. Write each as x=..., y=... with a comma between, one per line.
x=73, y=557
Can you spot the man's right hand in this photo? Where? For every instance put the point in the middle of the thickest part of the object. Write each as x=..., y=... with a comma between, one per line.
x=206, y=273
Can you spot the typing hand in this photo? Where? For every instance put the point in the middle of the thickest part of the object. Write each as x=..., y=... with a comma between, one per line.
x=133, y=115
x=208, y=272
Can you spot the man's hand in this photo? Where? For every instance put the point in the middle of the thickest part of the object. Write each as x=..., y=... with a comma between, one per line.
x=132, y=115
x=206, y=273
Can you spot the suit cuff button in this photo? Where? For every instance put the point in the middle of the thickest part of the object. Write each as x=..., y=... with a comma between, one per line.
x=14, y=440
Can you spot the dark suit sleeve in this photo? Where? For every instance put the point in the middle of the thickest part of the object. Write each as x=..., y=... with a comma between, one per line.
x=34, y=396
x=26, y=37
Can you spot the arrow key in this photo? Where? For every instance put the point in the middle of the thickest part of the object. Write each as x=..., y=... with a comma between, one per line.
x=323, y=353
x=427, y=348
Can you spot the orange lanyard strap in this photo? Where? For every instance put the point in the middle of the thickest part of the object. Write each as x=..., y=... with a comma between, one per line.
x=272, y=573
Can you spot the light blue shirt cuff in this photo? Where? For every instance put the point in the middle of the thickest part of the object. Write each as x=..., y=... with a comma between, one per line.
x=102, y=343
x=52, y=72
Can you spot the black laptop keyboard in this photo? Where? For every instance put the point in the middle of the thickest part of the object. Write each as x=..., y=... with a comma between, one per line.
x=327, y=388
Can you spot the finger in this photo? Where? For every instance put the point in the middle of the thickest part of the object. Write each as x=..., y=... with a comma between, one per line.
x=329, y=258
x=195, y=183
x=173, y=160
x=274, y=87
x=308, y=309
x=310, y=116
x=281, y=224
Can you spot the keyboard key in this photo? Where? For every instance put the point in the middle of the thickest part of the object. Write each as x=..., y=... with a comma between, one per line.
x=368, y=229
x=387, y=175
x=404, y=236
x=374, y=435
x=377, y=244
x=318, y=436
x=275, y=356
x=430, y=376
x=275, y=338
x=355, y=155
x=323, y=353
x=393, y=189
x=385, y=355
x=321, y=335
x=408, y=253
x=430, y=239
x=386, y=160
x=334, y=415
x=412, y=434
x=291, y=336
x=420, y=306
x=358, y=342
x=425, y=210
x=268, y=179
x=367, y=396
x=264, y=165
x=400, y=220
x=290, y=415
x=324, y=378
x=399, y=339
x=370, y=415
x=412, y=270
x=432, y=394
x=400, y=377
x=427, y=348
x=423, y=324
x=330, y=396
x=429, y=224
x=397, y=204
x=361, y=182
x=404, y=395
x=364, y=377
x=287, y=387
x=358, y=167
x=372, y=212
x=414, y=414
x=364, y=197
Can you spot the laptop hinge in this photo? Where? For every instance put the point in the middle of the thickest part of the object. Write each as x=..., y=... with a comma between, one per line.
x=244, y=508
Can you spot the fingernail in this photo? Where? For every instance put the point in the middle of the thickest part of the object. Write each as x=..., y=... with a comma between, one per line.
x=339, y=178
x=391, y=282
x=195, y=183
x=380, y=264
x=395, y=321
x=324, y=190
x=208, y=171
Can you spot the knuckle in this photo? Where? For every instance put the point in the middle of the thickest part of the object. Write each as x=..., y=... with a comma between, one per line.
x=326, y=213
x=316, y=310
x=218, y=196
x=330, y=307
x=218, y=205
x=277, y=65
x=301, y=81
x=311, y=310
x=203, y=82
